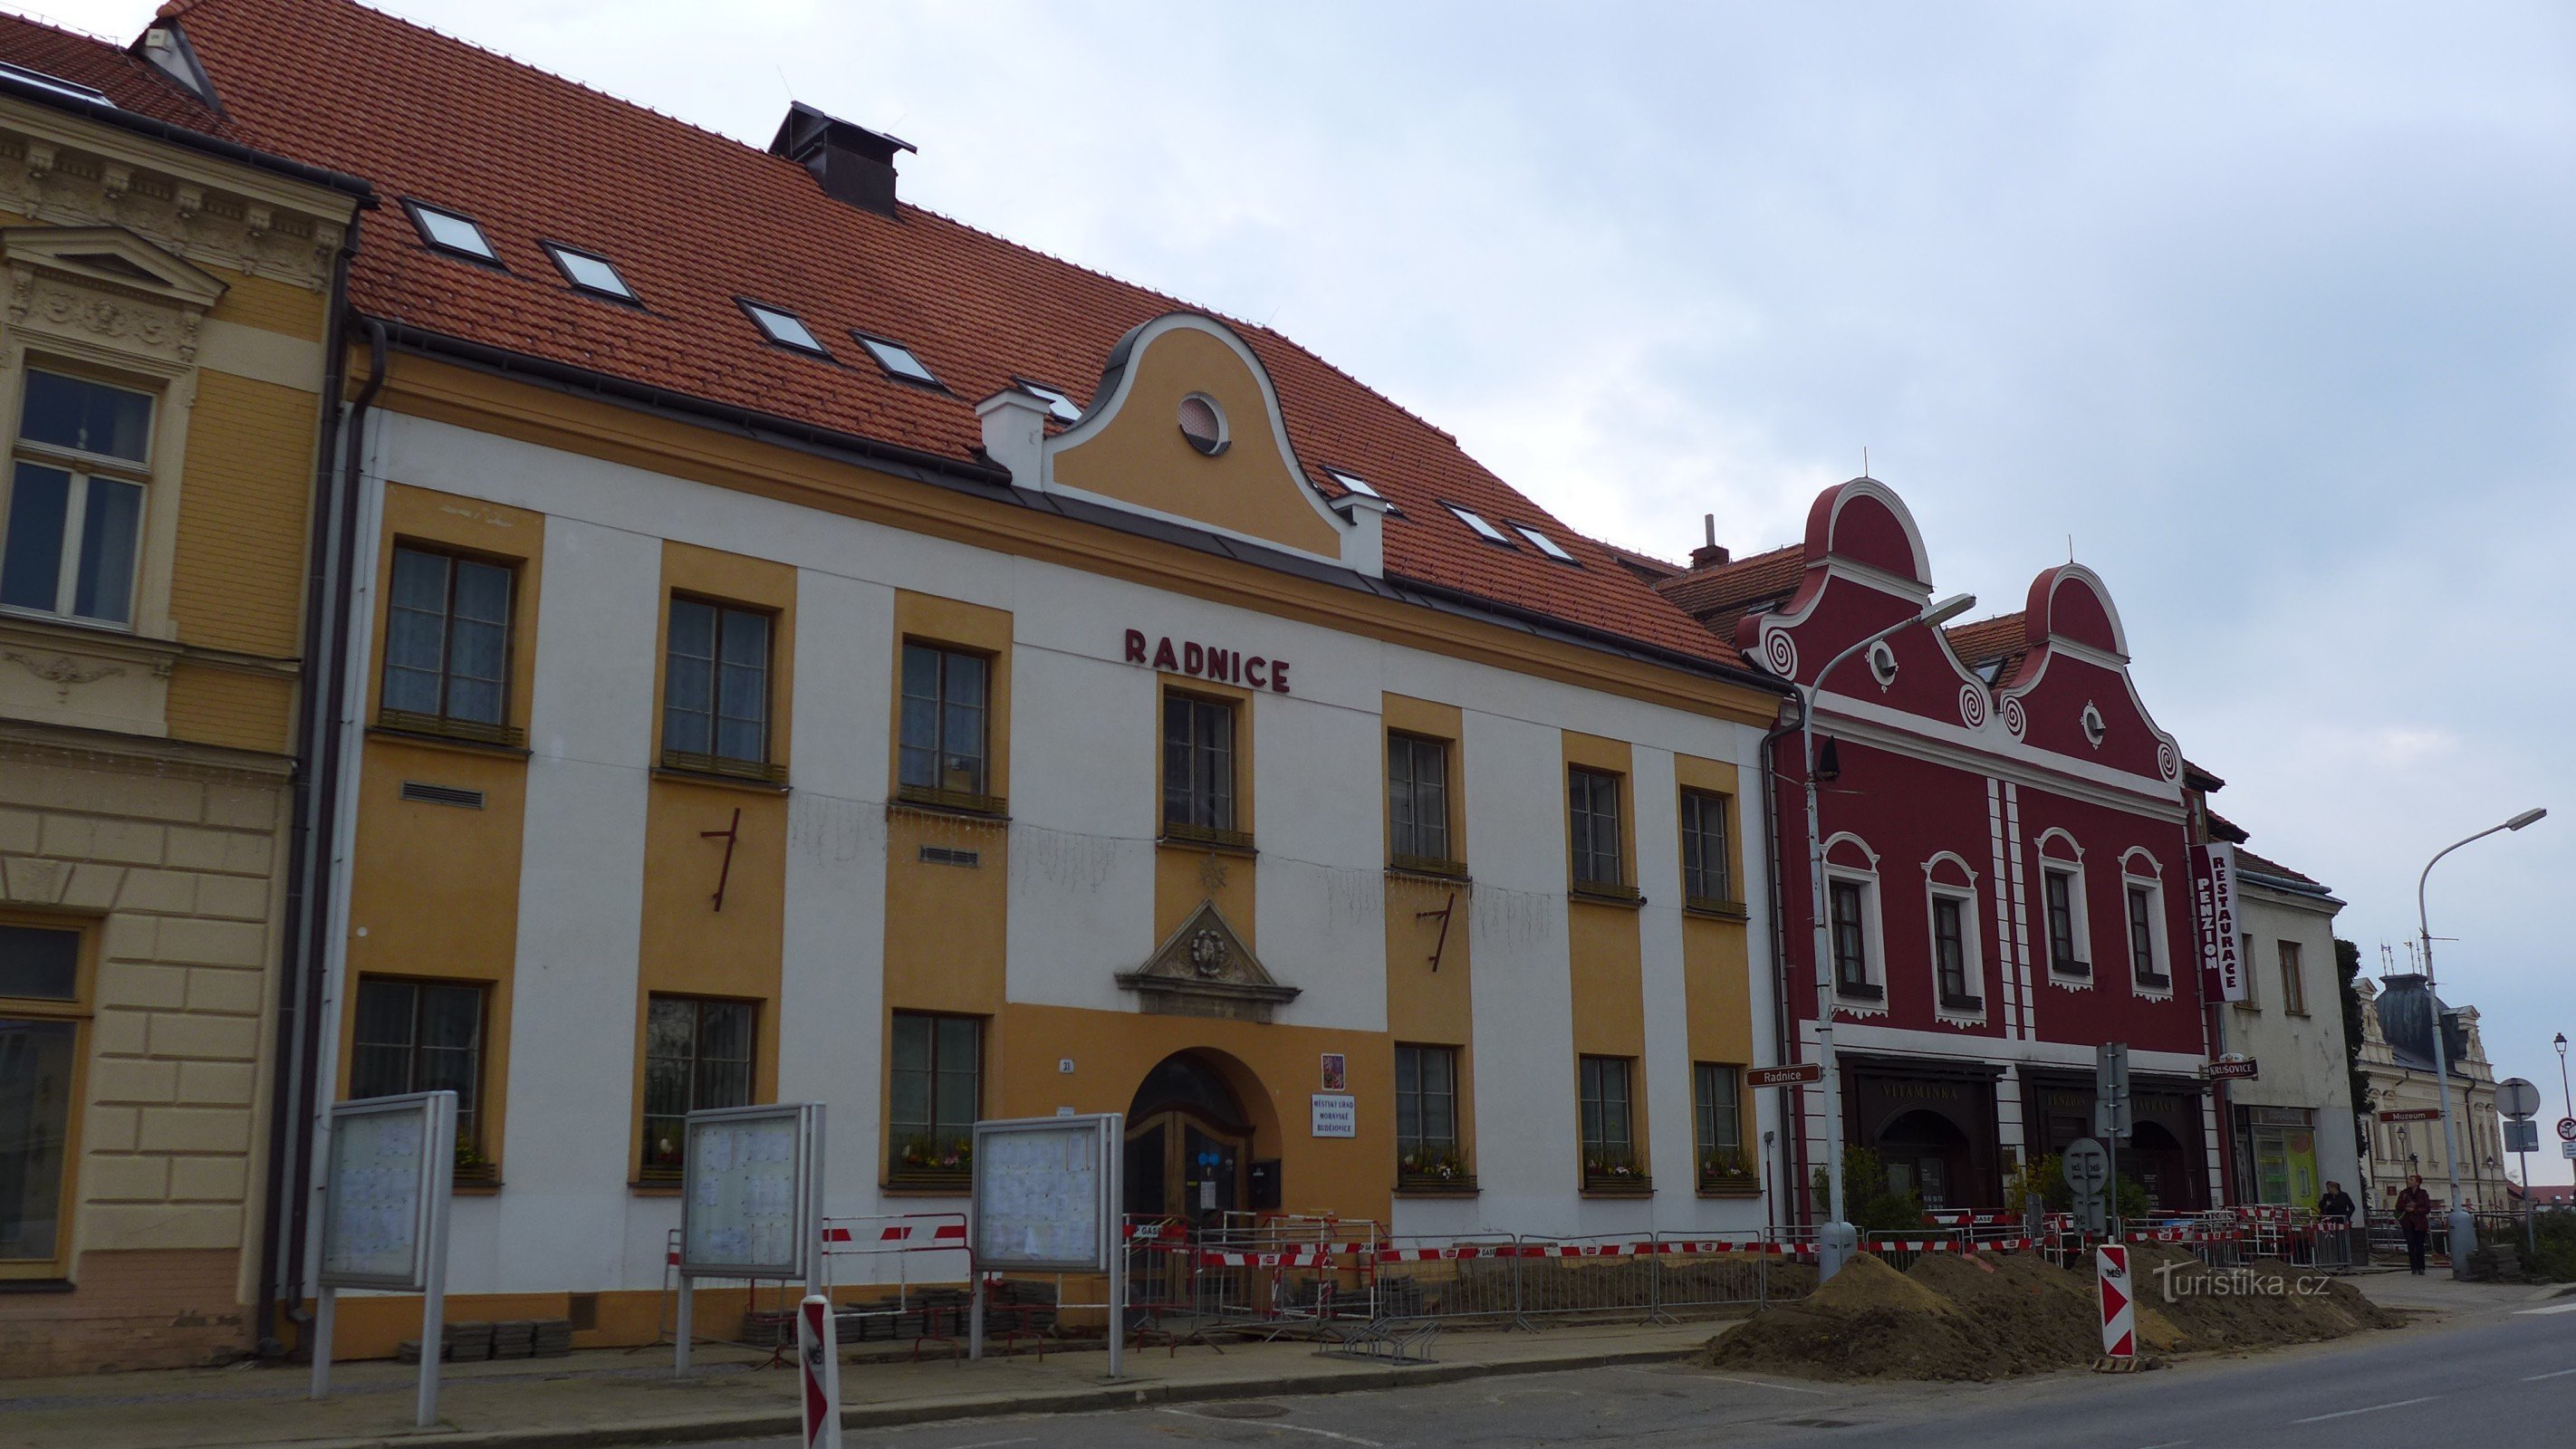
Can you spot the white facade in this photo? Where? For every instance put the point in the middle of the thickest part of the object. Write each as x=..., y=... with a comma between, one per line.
x=2303, y=1097
x=1082, y=852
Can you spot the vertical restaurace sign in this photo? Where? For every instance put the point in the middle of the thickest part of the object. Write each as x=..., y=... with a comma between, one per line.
x=2213, y=909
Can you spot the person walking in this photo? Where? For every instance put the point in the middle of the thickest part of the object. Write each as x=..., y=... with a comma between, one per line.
x=2415, y=1215
x=2334, y=1228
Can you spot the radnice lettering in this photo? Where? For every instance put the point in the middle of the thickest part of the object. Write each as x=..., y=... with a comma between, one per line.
x=1207, y=661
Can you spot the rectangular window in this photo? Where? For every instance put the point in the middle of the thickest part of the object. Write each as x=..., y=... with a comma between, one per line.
x=2142, y=938
x=937, y=1092
x=1417, y=801
x=715, y=689
x=697, y=1055
x=1426, y=1114
x=2063, y=957
x=944, y=750
x=41, y=1015
x=1715, y=1098
x=73, y=509
x=1609, y=1138
x=1592, y=806
x=1198, y=766
x=2294, y=983
x=2245, y=969
x=1950, y=952
x=420, y=1036
x=1847, y=903
x=447, y=643
x=1705, y=880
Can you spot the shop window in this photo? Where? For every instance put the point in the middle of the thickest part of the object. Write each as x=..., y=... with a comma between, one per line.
x=697, y=1056
x=946, y=744
x=447, y=646
x=2294, y=982
x=423, y=1036
x=715, y=690
x=1707, y=883
x=1716, y=1106
x=935, y=1095
x=43, y=1019
x=1610, y=1160
x=1417, y=804
x=1198, y=770
x=74, y=504
x=1592, y=806
x=1426, y=1118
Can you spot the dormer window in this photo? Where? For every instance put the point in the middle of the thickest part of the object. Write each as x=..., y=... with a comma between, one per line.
x=1476, y=521
x=784, y=328
x=1546, y=545
x=896, y=359
x=1354, y=483
x=1059, y=406
x=590, y=272
x=450, y=231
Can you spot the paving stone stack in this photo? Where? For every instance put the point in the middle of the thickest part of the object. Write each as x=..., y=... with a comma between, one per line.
x=514, y=1339
x=476, y=1342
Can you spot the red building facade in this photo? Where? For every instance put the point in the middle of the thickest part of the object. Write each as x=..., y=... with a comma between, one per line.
x=2004, y=828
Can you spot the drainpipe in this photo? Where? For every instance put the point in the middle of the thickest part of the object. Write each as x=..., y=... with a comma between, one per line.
x=1783, y=1025
x=330, y=582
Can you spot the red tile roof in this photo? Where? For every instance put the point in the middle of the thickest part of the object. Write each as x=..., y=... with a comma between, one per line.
x=2253, y=864
x=694, y=220
x=1729, y=587
x=133, y=83
x=1984, y=641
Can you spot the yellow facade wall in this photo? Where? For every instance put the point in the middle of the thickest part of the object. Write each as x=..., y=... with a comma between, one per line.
x=1141, y=457
x=210, y=705
x=237, y=574
x=1605, y=947
x=1717, y=966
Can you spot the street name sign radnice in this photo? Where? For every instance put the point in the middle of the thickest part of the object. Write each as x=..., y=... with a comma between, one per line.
x=1788, y=1076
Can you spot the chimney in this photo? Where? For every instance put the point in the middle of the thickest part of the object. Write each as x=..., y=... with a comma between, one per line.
x=850, y=162
x=1710, y=554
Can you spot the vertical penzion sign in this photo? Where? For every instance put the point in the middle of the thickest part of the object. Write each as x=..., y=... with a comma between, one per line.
x=2213, y=911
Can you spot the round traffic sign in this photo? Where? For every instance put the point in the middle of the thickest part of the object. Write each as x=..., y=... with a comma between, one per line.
x=2567, y=1129
x=2517, y=1098
x=2087, y=1166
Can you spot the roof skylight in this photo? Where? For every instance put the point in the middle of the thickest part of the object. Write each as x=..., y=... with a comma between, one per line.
x=783, y=328
x=1483, y=529
x=1546, y=545
x=896, y=359
x=1355, y=484
x=451, y=231
x=590, y=272
x=72, y=90
x=1059, y=406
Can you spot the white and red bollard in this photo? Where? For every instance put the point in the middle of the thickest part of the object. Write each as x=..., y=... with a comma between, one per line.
x=2119, y=1306
x=820, y=1355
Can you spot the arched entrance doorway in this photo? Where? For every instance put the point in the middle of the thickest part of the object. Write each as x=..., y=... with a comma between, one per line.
x=1925, y=1153
x=1188, y=1141
x=2160, y=1163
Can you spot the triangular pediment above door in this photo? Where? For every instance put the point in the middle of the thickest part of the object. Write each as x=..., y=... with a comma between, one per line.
x=1204, y=969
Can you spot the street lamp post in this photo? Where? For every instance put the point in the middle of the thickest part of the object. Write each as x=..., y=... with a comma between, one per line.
x=1837, y=1239
x=2464, y=1225
x=2564, y=1095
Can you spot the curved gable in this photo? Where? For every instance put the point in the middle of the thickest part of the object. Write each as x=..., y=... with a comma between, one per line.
x=1863, y=522
x=1129, y=449
x=2072, y=604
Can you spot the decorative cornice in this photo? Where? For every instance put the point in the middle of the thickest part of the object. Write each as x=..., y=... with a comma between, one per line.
x=54, y=170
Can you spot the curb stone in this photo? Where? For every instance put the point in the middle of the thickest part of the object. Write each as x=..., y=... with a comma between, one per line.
x=1104, y=1397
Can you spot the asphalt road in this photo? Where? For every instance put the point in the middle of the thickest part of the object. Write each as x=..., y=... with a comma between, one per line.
x=2490, y=1380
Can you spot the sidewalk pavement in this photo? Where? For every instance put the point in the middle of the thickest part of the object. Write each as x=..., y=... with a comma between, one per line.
x=629, y=1396
x=2438, y=1291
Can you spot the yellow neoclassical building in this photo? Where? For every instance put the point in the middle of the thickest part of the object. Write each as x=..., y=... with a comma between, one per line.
x=163, y=370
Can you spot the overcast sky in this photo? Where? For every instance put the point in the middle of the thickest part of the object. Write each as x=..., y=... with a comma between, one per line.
x=2267, y=309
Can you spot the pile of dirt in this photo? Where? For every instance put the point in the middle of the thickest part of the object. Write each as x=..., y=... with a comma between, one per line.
x=2265, y=1303
x=1866, y=1321
x=1985, y=1317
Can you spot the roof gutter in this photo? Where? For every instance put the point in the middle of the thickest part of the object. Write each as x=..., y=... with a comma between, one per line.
x=177, y=135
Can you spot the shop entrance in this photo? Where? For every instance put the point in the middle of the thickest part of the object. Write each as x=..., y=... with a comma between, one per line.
x=1924, y=1154
x=1188, y=1142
